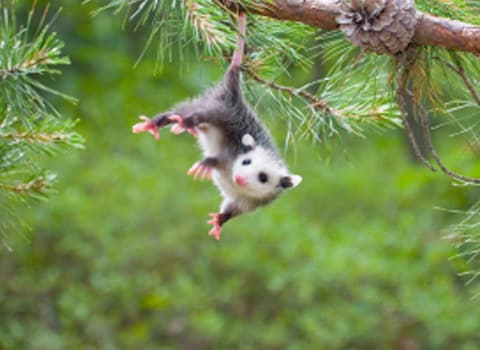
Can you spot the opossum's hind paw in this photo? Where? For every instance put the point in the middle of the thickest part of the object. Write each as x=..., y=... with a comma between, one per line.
x=179, y=128
x=146, y=126
x=217, y=227
x=201, y=171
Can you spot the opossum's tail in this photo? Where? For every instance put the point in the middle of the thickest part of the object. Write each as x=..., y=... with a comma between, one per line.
x=232, y=77
x=238, y=54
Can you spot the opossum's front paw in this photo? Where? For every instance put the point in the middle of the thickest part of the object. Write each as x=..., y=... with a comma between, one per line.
x=217, y=227
x=180, y=127
x=201, y=170
x=147, y=126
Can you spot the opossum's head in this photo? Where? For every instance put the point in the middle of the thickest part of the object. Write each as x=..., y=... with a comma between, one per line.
x=260, y=174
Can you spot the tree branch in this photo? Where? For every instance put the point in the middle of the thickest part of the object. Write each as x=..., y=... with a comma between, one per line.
x=40, y=58
x=447, y=33
x=428, y=137
x=22, y=188
x=406, y=62
x=430, y=30
x=461, y=72
x=315, y=102
x=318, y=13
x=40, y=137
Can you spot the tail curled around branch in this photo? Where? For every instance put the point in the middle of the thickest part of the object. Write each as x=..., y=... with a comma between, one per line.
x=232, y=77
x=238, y=54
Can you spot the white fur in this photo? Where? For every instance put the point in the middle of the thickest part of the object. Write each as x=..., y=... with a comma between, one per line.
x=245, y=197
x=261, y=161
x=210, y=140
x=296, y=180
x=248, y=140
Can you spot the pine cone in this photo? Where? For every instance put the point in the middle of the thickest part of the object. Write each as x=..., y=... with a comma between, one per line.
x=382, y=26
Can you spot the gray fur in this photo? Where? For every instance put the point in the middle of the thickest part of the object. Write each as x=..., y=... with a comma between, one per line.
x=224, y=107
x=221, y=118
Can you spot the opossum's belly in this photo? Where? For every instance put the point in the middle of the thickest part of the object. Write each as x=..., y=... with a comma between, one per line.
x=210, y=140
x=223, y=180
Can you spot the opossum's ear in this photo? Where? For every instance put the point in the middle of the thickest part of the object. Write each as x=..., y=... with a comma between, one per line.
x=290, y=181
x=248, y=142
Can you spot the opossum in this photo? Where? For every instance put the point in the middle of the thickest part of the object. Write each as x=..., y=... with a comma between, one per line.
x=238, y=151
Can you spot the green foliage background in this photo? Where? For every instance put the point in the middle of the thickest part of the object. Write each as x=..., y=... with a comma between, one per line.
x=120, y=258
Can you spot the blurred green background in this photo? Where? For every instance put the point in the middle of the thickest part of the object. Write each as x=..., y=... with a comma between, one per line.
x=120, y=257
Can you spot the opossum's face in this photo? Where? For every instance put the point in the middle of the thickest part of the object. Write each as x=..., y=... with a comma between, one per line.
x=259, y=174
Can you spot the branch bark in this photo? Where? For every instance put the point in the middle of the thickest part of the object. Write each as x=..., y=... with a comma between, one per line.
x=430, y=30
x=447, y=33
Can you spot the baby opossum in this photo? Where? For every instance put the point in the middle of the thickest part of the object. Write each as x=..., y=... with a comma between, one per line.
x=239, y=154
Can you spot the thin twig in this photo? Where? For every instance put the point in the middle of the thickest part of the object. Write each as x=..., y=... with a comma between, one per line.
x=403, y=73
x=43, y=138
x=315, y=102
x=428, y=138
x=461, y=72
x=34, y=185
x=40, y=58
x=406, y=62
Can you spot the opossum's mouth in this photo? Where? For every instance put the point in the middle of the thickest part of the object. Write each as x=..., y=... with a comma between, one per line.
x=241, y=180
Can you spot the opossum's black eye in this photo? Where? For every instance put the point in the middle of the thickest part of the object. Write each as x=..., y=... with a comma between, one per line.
x=262, y=177
x=247, y=162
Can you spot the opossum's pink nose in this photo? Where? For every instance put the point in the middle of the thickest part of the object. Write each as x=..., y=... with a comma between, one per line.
x=240, y=180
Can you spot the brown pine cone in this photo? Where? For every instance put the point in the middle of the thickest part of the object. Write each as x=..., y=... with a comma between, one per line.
x=382, y=26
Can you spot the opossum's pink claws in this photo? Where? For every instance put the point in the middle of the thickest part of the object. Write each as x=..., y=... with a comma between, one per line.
x=148, y=125
x=193, y=132
x=175, y=118
x=179, y=128
x=200, y=171
x=217, y=228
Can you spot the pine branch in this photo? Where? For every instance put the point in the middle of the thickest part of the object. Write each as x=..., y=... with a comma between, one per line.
x=22, y=60
x=406, y=61
x=31, y=65
x=426, y=129
x=430, y=30
x=203, y=24
x=458, y=69
x=314, y=101
x=447, y=33
x=42, y=138
x=37, y=185
x=23, y=183
x=29, y=124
